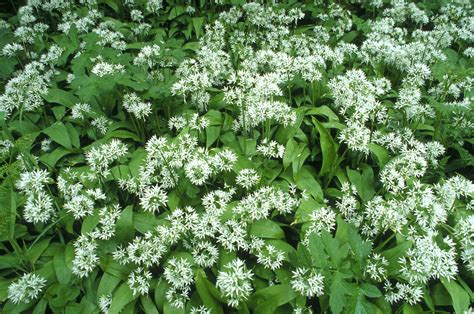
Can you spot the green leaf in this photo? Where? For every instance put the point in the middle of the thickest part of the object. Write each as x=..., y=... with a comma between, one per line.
x=36, y=250
x=380, y=153
x=148, y=305
x=328, y=148
x=121, y=298
x=197, y=23
x=59, y=133
x=107, y=284
x=73, y=135
x=62, y=97
x=290, y=152
x=124, y=227
x=364, y=182
x=212, y=134
x=267, y=300
x=207, y=298
x=63, y=273
x=305, y=181
x=370, y=290
x=359, y=304
x=51, y=159
x=460, y=297
x=266, y=228
x=123, y=134
x=169, y=309
x=393, y=256
x=412, y=309
x=338, y=291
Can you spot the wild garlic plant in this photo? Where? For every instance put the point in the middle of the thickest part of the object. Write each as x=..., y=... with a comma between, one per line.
x=225, y=157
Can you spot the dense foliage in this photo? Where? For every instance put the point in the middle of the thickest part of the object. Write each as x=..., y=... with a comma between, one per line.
x=231, y=157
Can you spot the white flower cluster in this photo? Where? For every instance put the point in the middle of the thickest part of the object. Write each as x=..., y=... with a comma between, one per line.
x=247, y=178
x=25, y=90
x=179, y=274
x=193, y=122
x=322, y=219
x=148, y=56
x=356, y=98
x=5, y=146
x=255, y=85
x=39, y=204
x=271, y=149
x=26, y=289
x=426, y=260
x=103, y=68
x=133, y=104
x=85, y=256
x=139, y=281
x=307, y=282
x=99, y=158
x=235, y=282
x=376, y=267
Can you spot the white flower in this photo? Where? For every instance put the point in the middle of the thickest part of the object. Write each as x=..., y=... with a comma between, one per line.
x=99, y=158
x=200, y=310
x=197, y=171
x=323, y=219
x=178, y=273
x=153, y=198
x=148, y=56
x=376, y=267
x=26, y=288
x=406, y=292
x=205, y=254
x=133, y=104
x=85, y=256
x=108, y=217
x=307, y=282
x=79, y=109
x=103, y=68
x=104, y=303
x=269, y=256
x=247, y=178
x=101, y=123
x=271, y=149
x=235, y=282
x=139, y=281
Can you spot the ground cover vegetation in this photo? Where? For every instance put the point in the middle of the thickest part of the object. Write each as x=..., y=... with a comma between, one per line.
x=236, y=157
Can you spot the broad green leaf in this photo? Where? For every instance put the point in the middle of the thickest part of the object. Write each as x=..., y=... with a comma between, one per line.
x=197, y=23
x=370, y=290
x=393, y=255
x=124, y=228
x=51, y=159
x=338, y=291
x=266, y=228
x=364, y=182
x=380, y=153
x=35, y=251
x=63, y=273
x=305, y=181
x=201, y=282
x=412, y=309
x=148, y=305
x=107, y=284
x=59, y=133
x=121, y=298
x=460, y=297
x=328, y=148
x=212, y=134
x=62, y=97
x=73, y=135
x=267, y=300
